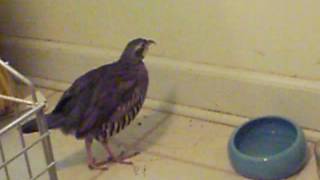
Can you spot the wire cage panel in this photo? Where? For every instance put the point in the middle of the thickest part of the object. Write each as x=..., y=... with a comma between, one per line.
x=36, y=109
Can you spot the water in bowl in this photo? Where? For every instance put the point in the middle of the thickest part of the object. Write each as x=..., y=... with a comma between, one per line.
x=265, y=137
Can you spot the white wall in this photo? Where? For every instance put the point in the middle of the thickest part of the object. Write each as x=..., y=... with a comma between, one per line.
x=266, y=35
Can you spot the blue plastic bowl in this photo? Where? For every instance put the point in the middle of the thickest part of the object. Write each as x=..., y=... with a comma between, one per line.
x=268, y=148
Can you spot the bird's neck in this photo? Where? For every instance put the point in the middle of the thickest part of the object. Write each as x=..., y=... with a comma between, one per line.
x=130, y=61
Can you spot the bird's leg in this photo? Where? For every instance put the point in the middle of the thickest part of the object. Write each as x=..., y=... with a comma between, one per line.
x=120, y=159
x=90, y=159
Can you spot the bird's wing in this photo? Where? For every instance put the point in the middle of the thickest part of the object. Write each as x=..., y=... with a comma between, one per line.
x=108, y=97
x=70, y=97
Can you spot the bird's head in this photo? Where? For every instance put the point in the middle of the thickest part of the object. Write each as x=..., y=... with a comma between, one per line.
x=136, y=50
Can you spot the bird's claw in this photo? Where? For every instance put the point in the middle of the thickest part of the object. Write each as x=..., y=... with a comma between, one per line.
x=122, y=159
x=93, y=165
x=103, y=165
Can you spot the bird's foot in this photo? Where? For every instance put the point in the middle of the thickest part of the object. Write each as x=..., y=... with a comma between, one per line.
x=92, y=164
x=121, y=159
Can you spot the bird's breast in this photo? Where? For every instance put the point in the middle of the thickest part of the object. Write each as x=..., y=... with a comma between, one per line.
x=126, y=114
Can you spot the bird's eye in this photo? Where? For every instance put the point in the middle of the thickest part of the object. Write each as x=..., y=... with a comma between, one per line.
x=139, y=51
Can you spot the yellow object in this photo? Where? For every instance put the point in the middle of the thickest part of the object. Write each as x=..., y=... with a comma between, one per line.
x=6, y=88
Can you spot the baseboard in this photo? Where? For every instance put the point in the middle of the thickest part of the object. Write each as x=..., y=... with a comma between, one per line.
x=312, y=135
x=190, y=112
x=211, y=88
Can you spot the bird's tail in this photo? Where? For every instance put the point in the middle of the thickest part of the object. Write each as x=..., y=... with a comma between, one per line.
x=53, y=121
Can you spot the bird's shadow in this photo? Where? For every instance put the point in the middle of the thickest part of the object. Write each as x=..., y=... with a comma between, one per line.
x=149, y=126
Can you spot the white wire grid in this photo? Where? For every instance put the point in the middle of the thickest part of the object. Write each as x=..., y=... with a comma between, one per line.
x=37, y=108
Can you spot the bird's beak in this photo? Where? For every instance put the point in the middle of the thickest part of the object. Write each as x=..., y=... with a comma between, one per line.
x=146, y=49
x=150, y=42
